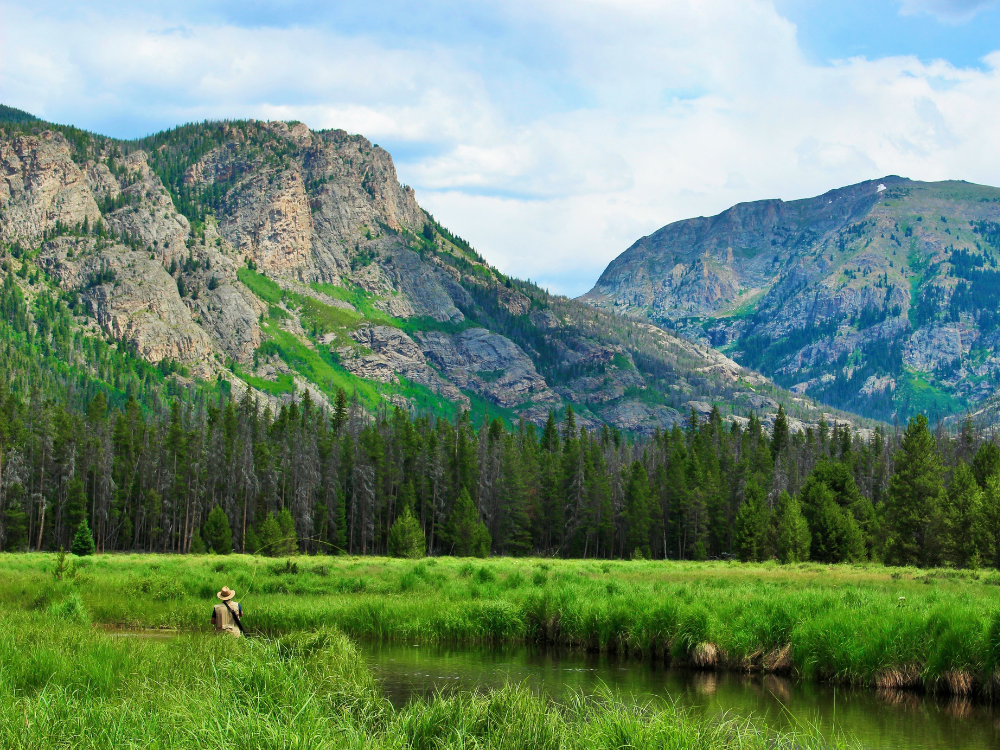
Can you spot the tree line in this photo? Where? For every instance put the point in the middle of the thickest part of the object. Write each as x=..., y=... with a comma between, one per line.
x=232, y=475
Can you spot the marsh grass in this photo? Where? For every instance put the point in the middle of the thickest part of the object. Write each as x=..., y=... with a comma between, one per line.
x=865, y=625
x=68, y=685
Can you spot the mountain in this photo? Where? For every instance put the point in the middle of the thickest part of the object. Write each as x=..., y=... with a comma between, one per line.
x=271, y=259
x=881, y=298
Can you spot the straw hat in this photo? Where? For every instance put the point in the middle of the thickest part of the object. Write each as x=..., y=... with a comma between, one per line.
x=226, y=594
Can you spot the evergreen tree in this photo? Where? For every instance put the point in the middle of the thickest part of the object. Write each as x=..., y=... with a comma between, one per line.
x=637, y=509
x=197, y=544
x=779, y=435
x=990, y=521
x=916, y=493
x=834, y=539
x=963, y=518
x=217, y=533
x=76, y=504
x=466, y=534
x=791, y=531
x=15, y=521
x=406, y=538
x=83, y=542
x=986, y=463
x=752, y=522
x=835, y=535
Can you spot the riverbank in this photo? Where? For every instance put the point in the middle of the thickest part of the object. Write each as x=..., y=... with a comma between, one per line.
x=893, y=628
x=66, y=684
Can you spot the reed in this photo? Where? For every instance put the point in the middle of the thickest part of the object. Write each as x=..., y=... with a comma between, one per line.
x=866, y=625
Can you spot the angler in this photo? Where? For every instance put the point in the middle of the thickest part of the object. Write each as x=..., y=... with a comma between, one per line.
x=227, y=617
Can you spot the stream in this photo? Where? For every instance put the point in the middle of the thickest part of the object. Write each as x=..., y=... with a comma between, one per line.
x=879, y=720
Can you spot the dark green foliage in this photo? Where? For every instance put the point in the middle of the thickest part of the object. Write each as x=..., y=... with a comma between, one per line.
x=406, y=538
x=12, y=115
x=83, y=542
x=752, y=524
x=841, y=520
x=637, y=500
x=467, y=535
x=963, y=519
x=16, y=528
x=217, y=533
x=916, y=493
x=791, y=531
x=275, y=536
x=197, y=545
x=986, y=463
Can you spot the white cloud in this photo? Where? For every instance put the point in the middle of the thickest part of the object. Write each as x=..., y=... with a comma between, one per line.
x=949, y=11
x=559, y=136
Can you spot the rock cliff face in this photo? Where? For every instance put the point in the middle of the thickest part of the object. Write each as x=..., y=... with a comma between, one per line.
x=288, y=261
x=40, y=187
x=880, y=297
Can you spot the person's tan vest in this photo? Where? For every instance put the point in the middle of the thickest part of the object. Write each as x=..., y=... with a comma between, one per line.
x=224, y=618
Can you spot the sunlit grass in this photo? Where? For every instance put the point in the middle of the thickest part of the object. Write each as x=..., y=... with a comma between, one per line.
x=67, y=685
x=857, y=624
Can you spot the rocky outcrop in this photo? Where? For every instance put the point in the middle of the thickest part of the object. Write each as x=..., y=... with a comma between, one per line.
x=134, y=300
x=489, y=364
x=148, y=216
x=423, y=286
x=40, y=187
x=394, y=353
x=269, y=221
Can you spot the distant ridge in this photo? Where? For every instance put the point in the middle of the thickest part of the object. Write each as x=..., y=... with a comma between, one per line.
x=11, y=114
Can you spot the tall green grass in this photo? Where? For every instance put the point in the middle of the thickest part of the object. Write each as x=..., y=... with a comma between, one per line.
x=66, y=685
x=865, y=625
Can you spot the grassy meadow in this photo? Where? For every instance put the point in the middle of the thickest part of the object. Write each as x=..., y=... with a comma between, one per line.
x=865, y=625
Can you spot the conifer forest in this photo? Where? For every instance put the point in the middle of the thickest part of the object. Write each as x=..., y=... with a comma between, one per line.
x=205, y=472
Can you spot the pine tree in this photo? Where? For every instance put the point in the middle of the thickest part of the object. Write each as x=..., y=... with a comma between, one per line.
x=990, y=520
x=218, y=534
x=637, y=497
x=963, y=518
x=466, y=534
x=791, y=532
x=752, y=522
x=986, y=463
x=779, y=435
x=197, y=544
x=76, y=504
x=835, y=535
x=83, y=542
x=916, y=493
x=406, y=538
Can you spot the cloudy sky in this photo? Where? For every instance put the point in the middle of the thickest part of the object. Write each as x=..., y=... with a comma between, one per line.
x=550, y=134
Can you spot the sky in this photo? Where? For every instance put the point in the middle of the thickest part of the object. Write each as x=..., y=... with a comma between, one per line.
x=550, y=134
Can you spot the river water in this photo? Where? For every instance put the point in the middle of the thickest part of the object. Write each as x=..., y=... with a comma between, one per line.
x=881, y=721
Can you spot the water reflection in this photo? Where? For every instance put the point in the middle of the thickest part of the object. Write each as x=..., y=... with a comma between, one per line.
x=882, y=720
